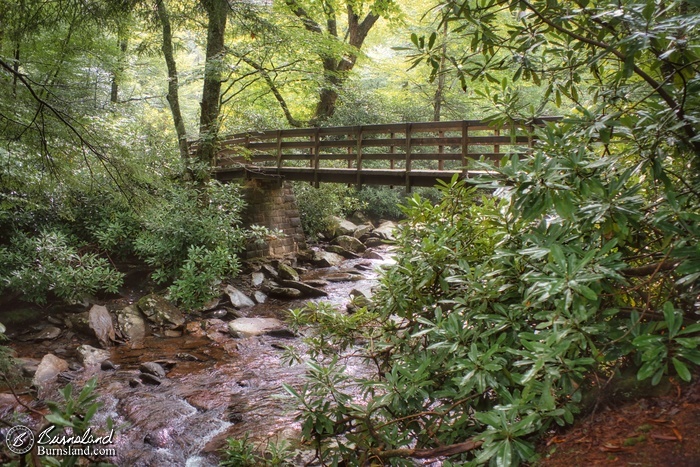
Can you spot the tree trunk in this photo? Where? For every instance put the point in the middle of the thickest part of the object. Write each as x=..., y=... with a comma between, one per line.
x=173, y=96
x=438, y=98
x=209, y=118
x=116, y=76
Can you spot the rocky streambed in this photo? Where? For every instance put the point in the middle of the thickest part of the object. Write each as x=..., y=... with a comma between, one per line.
x=177, y=384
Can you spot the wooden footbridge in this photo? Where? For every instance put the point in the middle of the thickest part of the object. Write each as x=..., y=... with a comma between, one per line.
x=409, y=154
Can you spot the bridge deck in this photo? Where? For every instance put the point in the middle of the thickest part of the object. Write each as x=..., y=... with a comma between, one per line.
x=410, y=154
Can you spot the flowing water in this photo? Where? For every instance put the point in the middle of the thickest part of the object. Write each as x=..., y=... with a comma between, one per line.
x=216, y=387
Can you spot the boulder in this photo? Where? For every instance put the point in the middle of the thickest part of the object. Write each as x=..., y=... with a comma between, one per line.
x=358, y=217
x=362, y=230
x=152, y=368
x=238, y=298
x=101, y=323
x=248, y=327
x=339, y=226
x=373, y=242
x=132, y=326
x=284, y=292
x=326, y=259
x=316, y=283
x=344, y=277
x=305, y=289
x=386, y=230
x=92, y=357
x=46, y=333
x=160, y=311
x=339, y=250
x=79, y=322
x=257, y=278
x=272, y=272
x=48, y=370
x=350, y=243
x=259, y=296
x=287, y=272
x=372, y=255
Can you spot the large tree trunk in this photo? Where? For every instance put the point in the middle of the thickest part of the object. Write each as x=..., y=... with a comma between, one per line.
x=116, y=76
x=173, y=96
x=217, y=11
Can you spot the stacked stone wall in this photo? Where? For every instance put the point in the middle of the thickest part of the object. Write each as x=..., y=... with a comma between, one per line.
x=272, y=204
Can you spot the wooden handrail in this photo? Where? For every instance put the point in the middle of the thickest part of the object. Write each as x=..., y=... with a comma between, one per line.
x=375, y=148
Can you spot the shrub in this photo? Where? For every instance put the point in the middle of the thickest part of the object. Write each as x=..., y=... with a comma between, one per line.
x=317, y=206
x=191, y=239
x=381, y=202
x=50, y=263
x=500, y=312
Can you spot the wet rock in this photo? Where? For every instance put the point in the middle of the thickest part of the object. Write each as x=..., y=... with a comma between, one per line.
x=55, y=320
x=259, y=296
x=134, y=382
x=210, y=305
x=305, y=289
x=48, y=370
x=285, y=292
x=28, y=366
x=238, y=298
x=107, y=365
x=65, y=377
x=344, y=277
x=46, y=333
x=172, y=333
x=272, y=272
x=132, y=326
x=75, y=366
x=287, y=272
x=100, y=322
x=374, y=242
x=160, y=311
x=341, y=227
x=369, y=254
x=386, y=230
x=218, y=314
x=358, y=299
x=152, y=368
x=257, y=278
x=92, y=357
x=184, y=356
x=316, y=282
x=362, y=230
x=339, y=250
x=364, y=266
x=248, y=327
x=79, y=322
x=350, y=243
x=147, y=378
x=195, y=328
x=326, y=259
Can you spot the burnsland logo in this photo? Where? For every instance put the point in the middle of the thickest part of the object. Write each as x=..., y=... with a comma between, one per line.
x=20, y=440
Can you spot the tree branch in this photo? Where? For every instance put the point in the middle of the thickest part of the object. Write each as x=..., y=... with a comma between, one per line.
x=441, y=451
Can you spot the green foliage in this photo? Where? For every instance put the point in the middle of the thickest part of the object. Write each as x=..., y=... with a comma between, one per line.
x=381, y=202
x=191, y=239
x=73, y=417
x=500, y=309
x=51, y=263
x=242, y=453
x=317, y=206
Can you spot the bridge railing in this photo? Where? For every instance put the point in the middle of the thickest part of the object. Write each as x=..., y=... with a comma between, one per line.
x=388, y=152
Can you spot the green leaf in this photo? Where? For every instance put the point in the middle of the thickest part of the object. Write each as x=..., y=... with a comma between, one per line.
x=673, y=318
x=57, y=419
x=681, y=369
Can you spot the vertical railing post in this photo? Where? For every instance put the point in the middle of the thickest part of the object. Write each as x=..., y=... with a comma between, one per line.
x=316, y=150
x=279, y=151
x=465, y=148
x=408, y=157
x=441, y=151
x=496, y=146
x=358, y=183
x=392, y=150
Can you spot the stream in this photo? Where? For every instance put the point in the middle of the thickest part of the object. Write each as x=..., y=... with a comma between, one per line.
x=216, y=386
